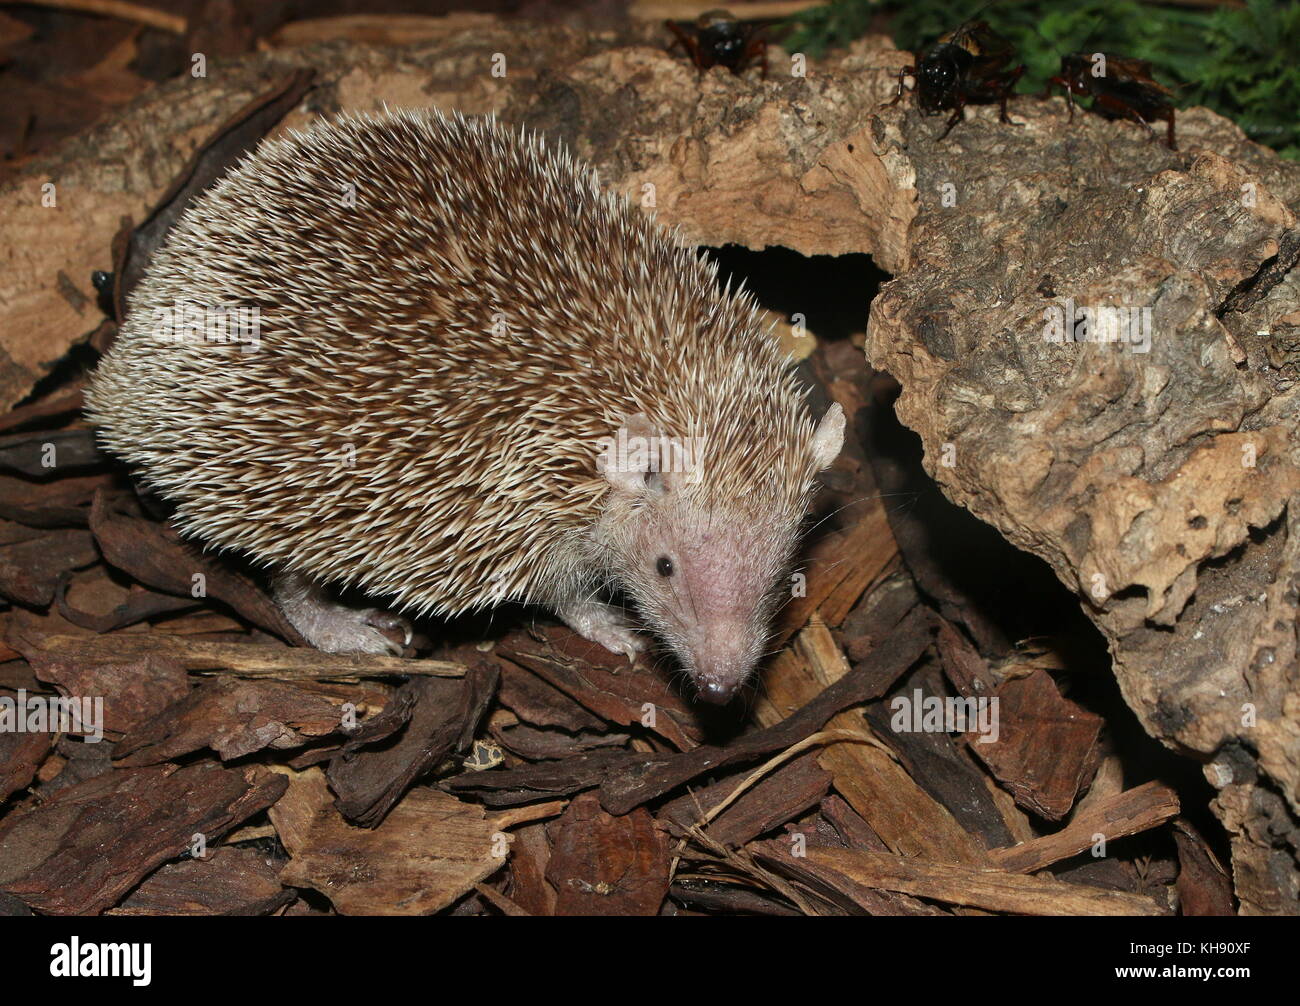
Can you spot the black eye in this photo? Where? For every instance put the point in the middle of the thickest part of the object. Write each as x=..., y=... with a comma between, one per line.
x=664, y=566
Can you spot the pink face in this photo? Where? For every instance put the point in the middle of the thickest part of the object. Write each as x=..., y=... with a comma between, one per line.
x=708, y=589
x=708, y=570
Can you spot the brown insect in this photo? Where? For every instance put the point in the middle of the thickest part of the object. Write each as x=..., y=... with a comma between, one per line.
x=719, y=38
x=1120, y=89
x=972, y=63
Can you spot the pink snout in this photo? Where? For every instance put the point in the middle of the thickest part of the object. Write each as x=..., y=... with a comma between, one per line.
x=721, y=670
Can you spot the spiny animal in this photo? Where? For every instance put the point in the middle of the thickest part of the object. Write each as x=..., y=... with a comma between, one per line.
x=427, y=356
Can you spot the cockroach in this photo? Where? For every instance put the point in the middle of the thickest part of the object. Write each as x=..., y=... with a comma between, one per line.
x=1120, y=88
x=972, y=63
x=719, y=38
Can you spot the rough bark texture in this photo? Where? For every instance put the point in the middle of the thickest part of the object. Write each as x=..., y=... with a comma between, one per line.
x=1160, y=484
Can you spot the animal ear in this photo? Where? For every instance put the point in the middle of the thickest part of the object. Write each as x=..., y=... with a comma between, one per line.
x=829, y=437
x=679, y=463
x=625, y=459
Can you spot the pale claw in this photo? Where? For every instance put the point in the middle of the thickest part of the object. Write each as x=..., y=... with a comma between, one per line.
x=391, y=625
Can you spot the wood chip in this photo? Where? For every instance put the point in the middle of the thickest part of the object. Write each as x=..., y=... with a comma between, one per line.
x=249, y=660
x=1044, y=747
x=158, y=557
x=140, y=690
x=1128, y=813
x=80, y=852
x=991, y=889
x=30, y=570
x=235, y=718
x=428, y=852
x=785, y=794
x=21, y=752
x=604, y=865
x=605, y=683
x=880, y=790
x=229, y=881
x=1204, y=887
x=443, y=719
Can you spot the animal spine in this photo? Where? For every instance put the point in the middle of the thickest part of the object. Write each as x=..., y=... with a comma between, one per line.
x=444, y=319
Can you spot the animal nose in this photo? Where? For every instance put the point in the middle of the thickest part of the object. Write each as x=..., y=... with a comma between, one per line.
x=716, y=692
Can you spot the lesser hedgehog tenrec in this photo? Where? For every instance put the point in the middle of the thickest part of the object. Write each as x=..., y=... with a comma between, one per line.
x=451, y=320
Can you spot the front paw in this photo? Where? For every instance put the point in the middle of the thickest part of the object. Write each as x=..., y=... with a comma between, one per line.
x=360, y=630
x=334, y=627
x=603, y=624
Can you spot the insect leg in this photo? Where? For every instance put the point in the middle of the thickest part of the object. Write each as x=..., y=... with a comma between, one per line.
x=903, y=73
x=1126, y=111
x=689, y=44
x=1005, y=94
x=1069, y=94
x=757, y=47
x=957, y=116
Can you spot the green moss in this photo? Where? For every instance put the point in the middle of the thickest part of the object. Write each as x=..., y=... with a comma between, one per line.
x=1243, y=62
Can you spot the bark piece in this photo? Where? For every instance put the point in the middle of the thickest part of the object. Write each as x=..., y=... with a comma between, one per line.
x=21, y=752
x=604, y=683
x=540, y=704
x=878, y=612
x=60, y=503
x=530, y=854
x=30, y=570
x=604, y=865
x=565, y=777
x=852, y=830
x=115, y=608
x=947, y=773
x=235, y=718
x=535, y=745
x=874, y=784
x=46, y=455
x=93, y=842
x=429, y=850
x=1044, y=746
x=1129, y=813
x=713, y=896
x=443, y=718
x=136, y=692
x=842, y=565
x=990, y=889
x=155, y=555
x=230, y=881
x=242, y=659
x=785, y=794
x=1204, y=887
x=834, y=886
